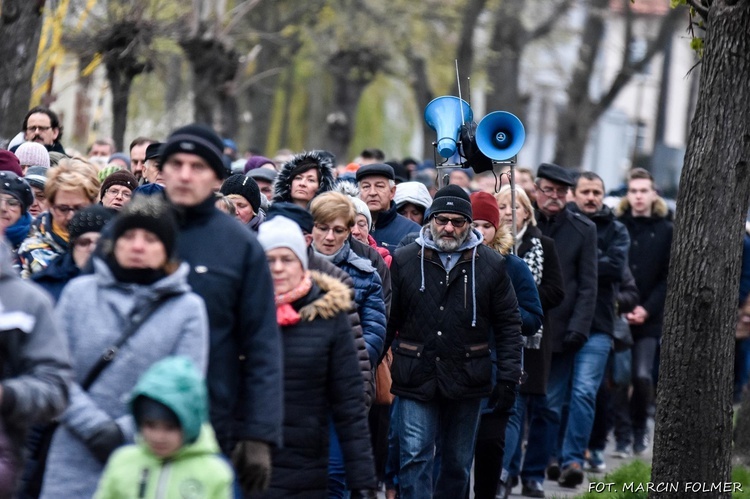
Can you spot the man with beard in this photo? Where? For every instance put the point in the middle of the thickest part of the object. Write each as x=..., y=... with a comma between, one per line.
x=569, y=324
x=453, y=304
x=42, y=125
x=587, y=366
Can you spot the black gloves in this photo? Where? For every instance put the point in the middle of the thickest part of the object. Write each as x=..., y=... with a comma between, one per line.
x=503, y=397
x=574, y=341
x=363, y=494
x=252, y=463
x=105, y=440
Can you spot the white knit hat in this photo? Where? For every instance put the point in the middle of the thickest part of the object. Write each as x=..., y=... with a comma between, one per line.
x=281, y=232
x=363, y=209
x=412, y=192
x=33, y=154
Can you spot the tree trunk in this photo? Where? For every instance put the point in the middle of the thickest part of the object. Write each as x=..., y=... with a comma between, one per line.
x=508, y=41
x=341, y=127
x=21, y=22
x=214, y=67
x=694, y=401
x=420, y=84
x=575, y=122
x=465, y=53
x=120, y=82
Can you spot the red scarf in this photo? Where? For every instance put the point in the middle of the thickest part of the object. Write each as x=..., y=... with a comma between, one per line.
x=285, y=313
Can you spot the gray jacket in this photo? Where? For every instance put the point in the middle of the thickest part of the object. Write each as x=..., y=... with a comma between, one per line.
x=35, y=369
x=93, y=311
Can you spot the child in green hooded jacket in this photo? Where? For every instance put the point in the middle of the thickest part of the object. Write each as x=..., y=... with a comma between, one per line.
x=176, y=455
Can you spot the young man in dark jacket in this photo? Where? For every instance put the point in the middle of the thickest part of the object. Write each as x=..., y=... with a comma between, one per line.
x=228, y=269
x=645, y=214
x=451, y=295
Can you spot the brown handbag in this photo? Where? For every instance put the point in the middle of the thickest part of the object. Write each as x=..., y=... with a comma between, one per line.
x=383, y=395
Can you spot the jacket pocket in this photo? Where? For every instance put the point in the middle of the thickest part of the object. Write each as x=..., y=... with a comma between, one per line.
x=408, y=368
x=477, y=368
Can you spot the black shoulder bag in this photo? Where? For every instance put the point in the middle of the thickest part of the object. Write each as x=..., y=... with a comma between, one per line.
x=40, y=436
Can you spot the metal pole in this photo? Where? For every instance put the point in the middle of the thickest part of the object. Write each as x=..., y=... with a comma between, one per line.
x=513, y=230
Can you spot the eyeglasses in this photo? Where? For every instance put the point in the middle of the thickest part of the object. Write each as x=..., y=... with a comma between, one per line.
x=337, y=231
x=455, y=222
x=555, y=191
x=65, y=210
x=123, y=193
x=34, y=129
x=85, y=242
x=10, y=202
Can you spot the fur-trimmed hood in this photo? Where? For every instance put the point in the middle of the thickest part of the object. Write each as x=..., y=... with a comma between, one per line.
x=336, y=298
x=282, y=186
x=660, y=208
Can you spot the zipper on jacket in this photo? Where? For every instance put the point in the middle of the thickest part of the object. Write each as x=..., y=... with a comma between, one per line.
x=466, y=284
x=162, y=486
x=143, y=484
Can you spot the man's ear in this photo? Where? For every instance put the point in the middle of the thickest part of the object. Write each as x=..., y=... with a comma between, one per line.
x=308, y=239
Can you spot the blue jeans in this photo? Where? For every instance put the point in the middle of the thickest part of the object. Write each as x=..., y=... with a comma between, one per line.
x=393, y=459
x=583, y=371
x=419, y=424
x=336, y=471
x=535, y=460
x=574, y=379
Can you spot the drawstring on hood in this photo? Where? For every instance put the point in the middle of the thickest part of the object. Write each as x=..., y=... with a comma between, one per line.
x=473, y=241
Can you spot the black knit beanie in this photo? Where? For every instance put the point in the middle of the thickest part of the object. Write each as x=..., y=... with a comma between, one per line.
x=451, y=199
x=16, y=186
x=150, y=213
x=199, y=140
x=90, y=219
x=243, y=186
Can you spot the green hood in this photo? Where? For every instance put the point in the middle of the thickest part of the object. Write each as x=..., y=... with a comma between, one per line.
x=176, y=383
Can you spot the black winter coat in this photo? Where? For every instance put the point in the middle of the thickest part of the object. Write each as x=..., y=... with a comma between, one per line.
x=613, y=244
x=536, y=362
x=228, y=269
x=575, y=242
x=438, y=350
x=321, y=379
x=325, y=267
x=651, y=241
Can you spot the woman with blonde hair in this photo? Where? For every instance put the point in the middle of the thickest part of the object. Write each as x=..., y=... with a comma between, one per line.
x=539, y=253
x=71, y=186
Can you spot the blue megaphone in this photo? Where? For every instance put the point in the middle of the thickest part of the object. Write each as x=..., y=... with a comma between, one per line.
x=445, y=115
x=500, y=135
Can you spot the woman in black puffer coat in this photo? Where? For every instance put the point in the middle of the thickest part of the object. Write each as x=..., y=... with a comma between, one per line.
x=321, y=373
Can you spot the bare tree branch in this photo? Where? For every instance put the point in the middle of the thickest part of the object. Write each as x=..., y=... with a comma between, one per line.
x=547, y=25
x=623, y=77
x=236, y=14
x=699, y=7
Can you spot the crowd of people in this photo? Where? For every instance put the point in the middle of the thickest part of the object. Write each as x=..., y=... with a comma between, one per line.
x=182, y=319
